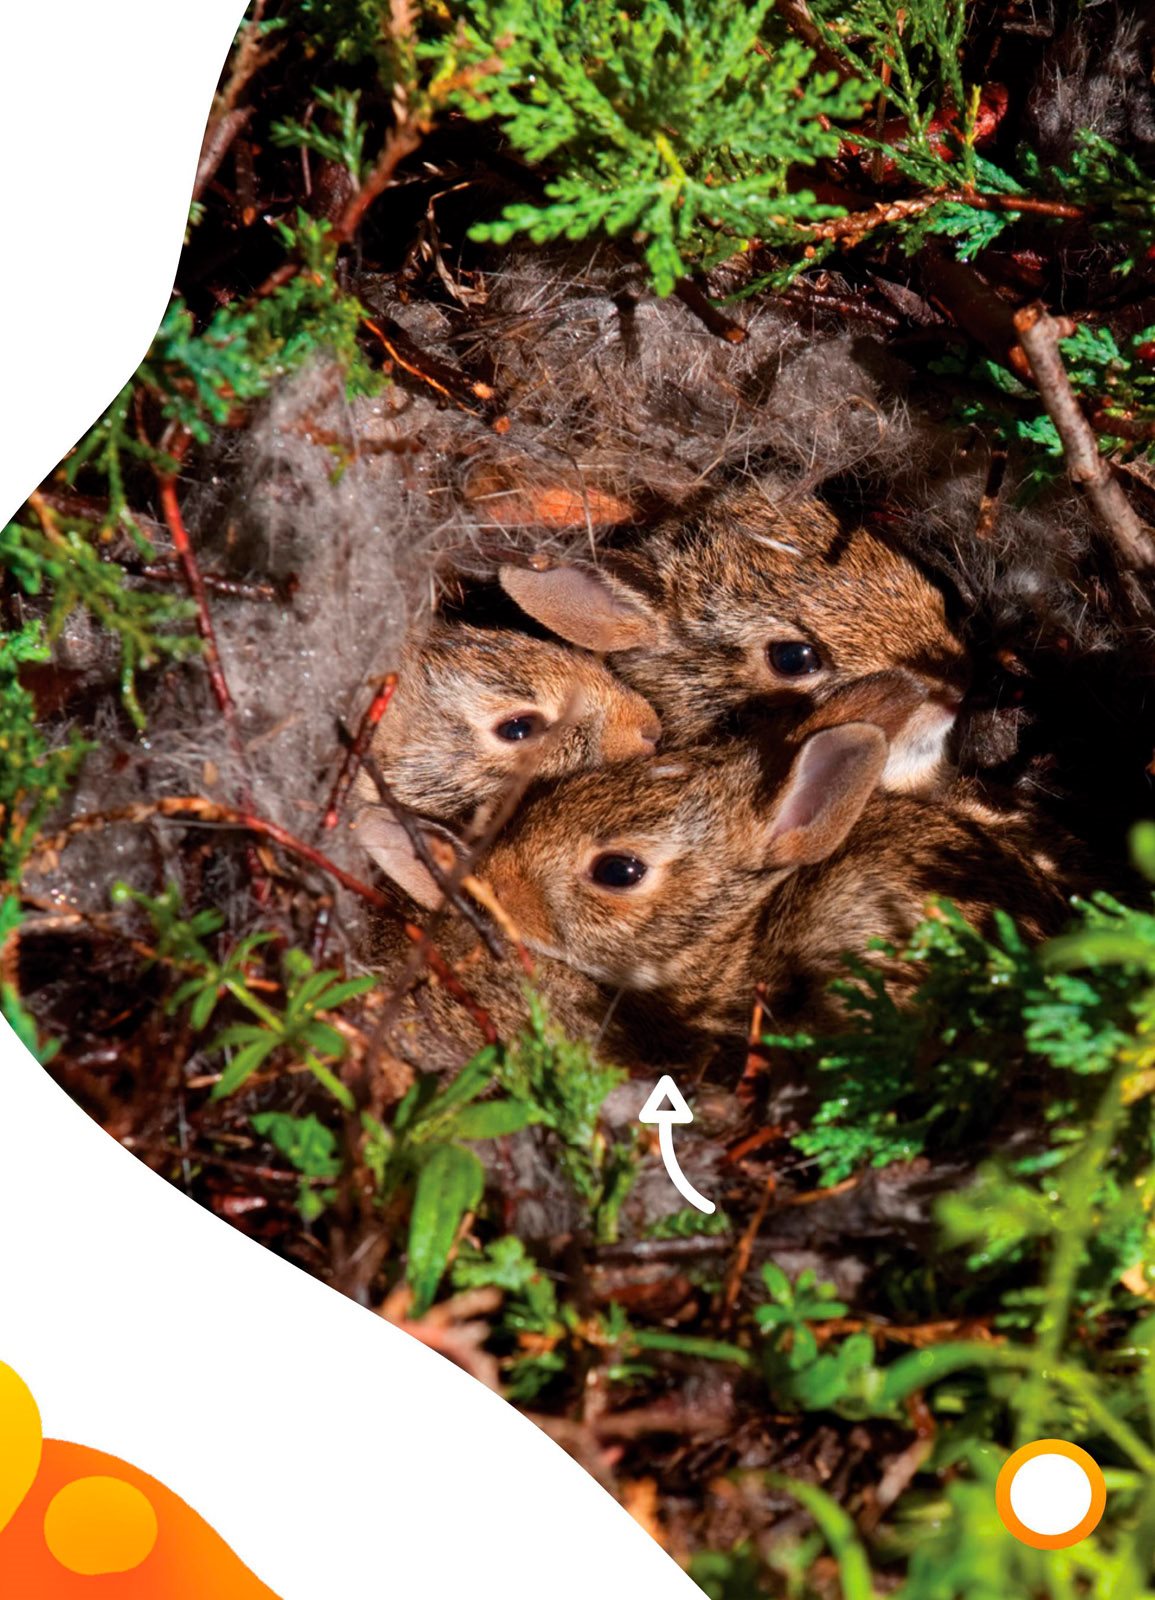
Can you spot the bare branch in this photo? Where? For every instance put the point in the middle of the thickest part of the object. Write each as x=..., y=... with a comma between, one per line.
x=401, y=142
x=1039, y=337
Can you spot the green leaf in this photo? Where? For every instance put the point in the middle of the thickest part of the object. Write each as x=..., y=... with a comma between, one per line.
x=689, y=1345
x=241, y=1068
x=493, y=1119
x=449, y=1184
x=838, y=1531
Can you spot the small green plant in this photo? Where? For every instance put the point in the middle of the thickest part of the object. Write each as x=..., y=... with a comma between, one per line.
x=565, y=1083
x=295, y=1027
x=929, y=1075
x=427, y=1150
x=842, y=1379
x=343, y=142
x=1110, y=186
x=690, y=1223
x=197, y=379
x=34, y=777
x=1058, y=1233
x=1115, y=383
x=541, y=1335
x=56, y=564
x=309, y=1146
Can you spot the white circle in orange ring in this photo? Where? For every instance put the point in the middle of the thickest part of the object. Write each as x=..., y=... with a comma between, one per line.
x=1061, y=1464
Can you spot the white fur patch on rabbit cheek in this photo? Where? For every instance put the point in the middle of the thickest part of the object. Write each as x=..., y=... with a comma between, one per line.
x=541, y=948
x=623, y=971
x=917, y=753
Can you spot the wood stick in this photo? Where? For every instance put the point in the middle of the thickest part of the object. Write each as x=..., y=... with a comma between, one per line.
x=1039, y=337
x=400, y=142
x=448, y=879
x=170, y=505
x=356, y=750
x=695, y=300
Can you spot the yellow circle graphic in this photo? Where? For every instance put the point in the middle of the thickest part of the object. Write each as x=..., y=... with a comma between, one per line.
x=1095, y=1486
x=100, y=1525
x=20, y=1442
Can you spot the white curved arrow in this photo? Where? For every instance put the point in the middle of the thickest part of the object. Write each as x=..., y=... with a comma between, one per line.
x=665, y=1106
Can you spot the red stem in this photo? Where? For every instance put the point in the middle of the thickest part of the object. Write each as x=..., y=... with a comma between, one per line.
x=356, y=751
x=170, y=506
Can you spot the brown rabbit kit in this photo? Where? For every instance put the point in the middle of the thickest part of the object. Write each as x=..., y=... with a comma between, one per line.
x=691, y=776
x=802, y=673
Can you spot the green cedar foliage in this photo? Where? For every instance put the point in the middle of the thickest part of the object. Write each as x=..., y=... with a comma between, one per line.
x=34, y=775
x=1058, y=1231
x=670, y=122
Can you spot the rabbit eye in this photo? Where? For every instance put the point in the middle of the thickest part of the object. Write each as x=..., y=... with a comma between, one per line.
x=794, y=658
x=514, y=729
x=617, y=872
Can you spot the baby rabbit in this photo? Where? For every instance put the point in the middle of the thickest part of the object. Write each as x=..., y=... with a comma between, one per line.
x=690, y=878
x=475, y=708
x=760, y=604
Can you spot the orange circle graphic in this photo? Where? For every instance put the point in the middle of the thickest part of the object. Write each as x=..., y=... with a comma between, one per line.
x=1014, y=1524
x=100, y=1525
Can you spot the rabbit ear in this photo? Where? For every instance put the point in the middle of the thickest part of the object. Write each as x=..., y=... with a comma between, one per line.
x=832, y=778
x=581, y=606
x=387, y=843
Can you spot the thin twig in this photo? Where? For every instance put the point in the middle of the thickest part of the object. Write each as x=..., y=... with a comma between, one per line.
x=1030, y=205
x=443, y=379
x=798, y=18
x=695, y=300
x=226, y=120
x=851, y=229
x=1039, y=337
x=166, y=1152
x=219, y=135
x=485, y=897
x=170, y=505
x=250, y=58
x=168, y=572
x=742, y=1253
x=446, y=879
x=990, y=504
x=650, y=1250
x=400, y=142
x=196, y=809
x=885, y=74
x=357, y=749
x=175, y=448
x=755, y=1064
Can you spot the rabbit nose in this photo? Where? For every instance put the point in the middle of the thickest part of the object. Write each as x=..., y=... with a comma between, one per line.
x=626, y=739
